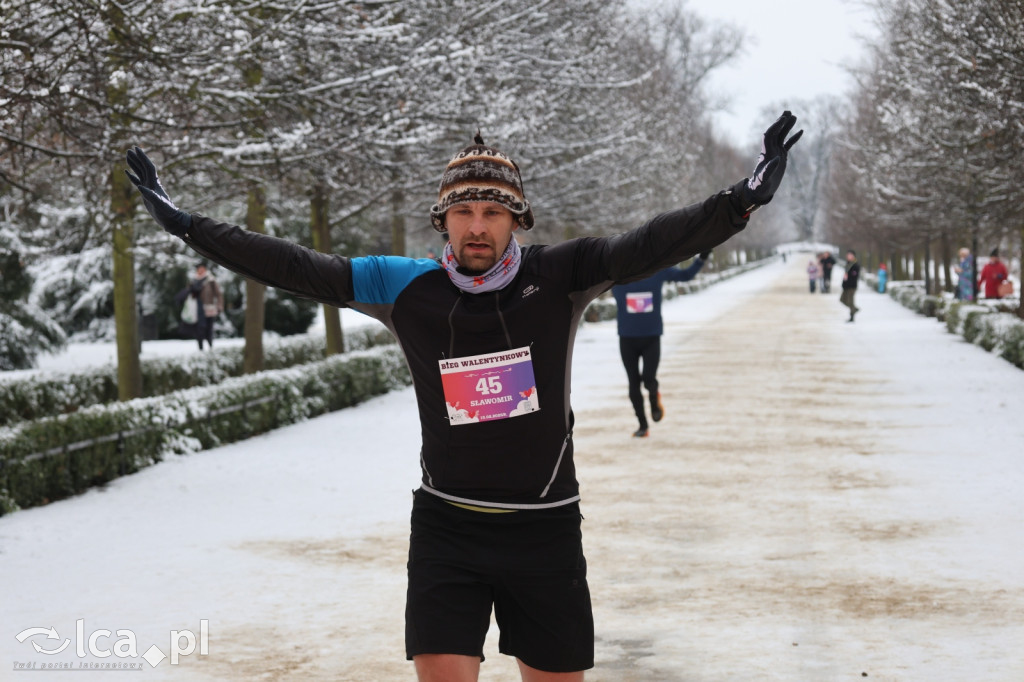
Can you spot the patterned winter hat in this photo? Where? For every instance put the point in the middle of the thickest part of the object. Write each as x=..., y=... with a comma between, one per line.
x=481, y=173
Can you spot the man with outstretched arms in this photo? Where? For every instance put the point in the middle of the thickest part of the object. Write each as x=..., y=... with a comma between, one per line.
x=488, y=333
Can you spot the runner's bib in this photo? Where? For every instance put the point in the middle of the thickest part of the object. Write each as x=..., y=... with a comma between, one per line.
x=482, y=388
x=640, y=302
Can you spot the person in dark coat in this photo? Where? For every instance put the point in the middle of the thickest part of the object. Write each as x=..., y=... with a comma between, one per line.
x=827, y=261
x=487, y=332
x=640, y=326
x=207, y=303
x=850, y=278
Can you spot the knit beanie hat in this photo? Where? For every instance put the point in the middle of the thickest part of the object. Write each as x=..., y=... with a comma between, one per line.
x=481, y=173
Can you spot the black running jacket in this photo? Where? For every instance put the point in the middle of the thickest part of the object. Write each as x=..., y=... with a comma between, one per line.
x=485, y=441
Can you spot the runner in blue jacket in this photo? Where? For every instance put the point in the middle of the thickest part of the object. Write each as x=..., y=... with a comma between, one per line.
x=640, y=326
x=488, y=334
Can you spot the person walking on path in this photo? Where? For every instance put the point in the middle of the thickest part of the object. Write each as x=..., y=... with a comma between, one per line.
x=850, y=278
x=813, y=273
x=205, y=304
x=488, y=333
x=827, y=262
x=993, y=275
x=966, y=289
x=638, y=316
x=883, y=277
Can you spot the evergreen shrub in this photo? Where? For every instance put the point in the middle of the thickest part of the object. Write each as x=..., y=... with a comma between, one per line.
x=973, y=325
x=931, y=306
x=1012, y=341
x=957, y=314
x=57, y=393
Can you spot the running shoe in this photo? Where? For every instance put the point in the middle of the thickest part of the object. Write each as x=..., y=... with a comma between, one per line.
x=657, y=409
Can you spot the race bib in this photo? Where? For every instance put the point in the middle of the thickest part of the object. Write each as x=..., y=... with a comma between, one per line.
x=486, y=387
x=640, y=302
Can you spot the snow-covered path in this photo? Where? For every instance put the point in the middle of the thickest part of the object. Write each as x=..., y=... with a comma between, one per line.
x=824, y=500
x=821, y=501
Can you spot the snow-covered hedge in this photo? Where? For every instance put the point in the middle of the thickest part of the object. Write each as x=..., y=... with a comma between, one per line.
x=957, y=315
x=997, y=331
x=51, y=458
x=912, y=296
x=52, y=394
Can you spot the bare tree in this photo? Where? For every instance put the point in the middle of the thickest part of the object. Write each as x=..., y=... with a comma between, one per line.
x=934, y=141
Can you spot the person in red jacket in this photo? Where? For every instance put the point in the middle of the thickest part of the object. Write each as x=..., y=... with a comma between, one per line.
x=992, y=275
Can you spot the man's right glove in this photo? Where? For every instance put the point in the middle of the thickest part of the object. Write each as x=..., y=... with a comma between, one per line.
x=771, y=164
x=159, y=205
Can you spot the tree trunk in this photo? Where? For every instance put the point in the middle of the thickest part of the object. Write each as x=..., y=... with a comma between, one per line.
x=322, y=243
x=122, y=194
x=947, y=256
x=928, y=265
x=897, y=266
x=126, y=318
x=252, y=356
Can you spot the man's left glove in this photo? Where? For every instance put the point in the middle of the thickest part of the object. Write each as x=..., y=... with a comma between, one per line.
x=159, y=205
x=771, y=164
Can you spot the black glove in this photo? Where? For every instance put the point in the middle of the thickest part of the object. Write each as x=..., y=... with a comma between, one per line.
x=771, y=164
x=159, y=205
x=705, y=255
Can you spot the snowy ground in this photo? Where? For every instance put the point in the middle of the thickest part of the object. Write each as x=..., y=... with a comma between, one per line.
x=822, y=501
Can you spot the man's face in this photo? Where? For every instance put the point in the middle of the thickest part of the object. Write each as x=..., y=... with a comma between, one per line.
x=200, y=272
x=479, y=232
x=850, y=257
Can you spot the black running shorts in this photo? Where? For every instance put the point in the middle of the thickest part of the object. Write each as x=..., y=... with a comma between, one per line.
x=529, y=564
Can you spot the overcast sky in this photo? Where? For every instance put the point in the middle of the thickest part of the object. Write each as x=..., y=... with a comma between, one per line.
x=797, y=50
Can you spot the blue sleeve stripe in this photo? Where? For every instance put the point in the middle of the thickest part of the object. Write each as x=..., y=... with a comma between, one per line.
x=380, y=279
